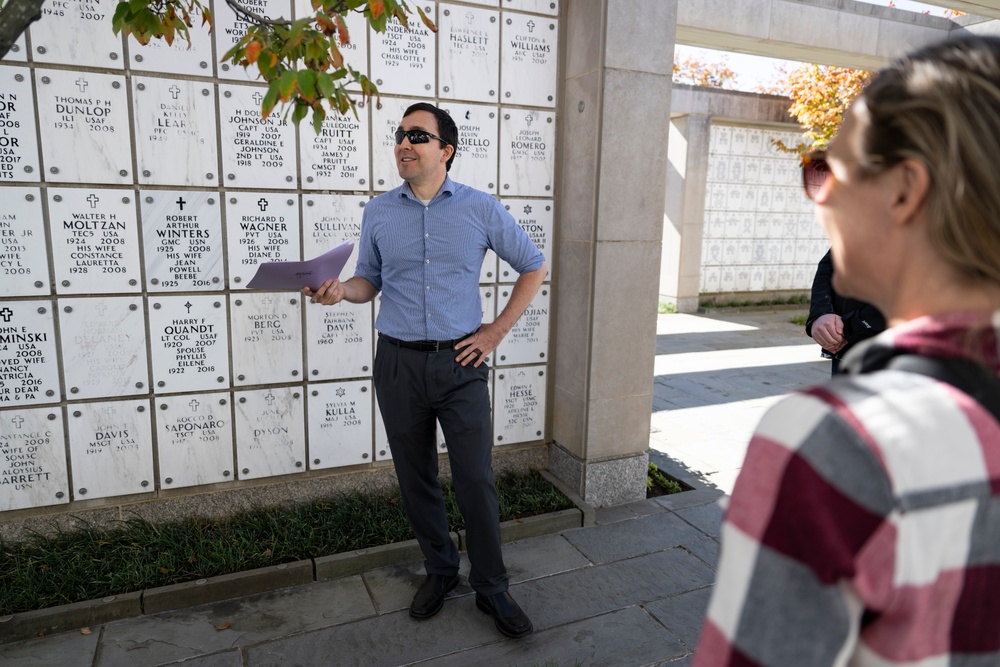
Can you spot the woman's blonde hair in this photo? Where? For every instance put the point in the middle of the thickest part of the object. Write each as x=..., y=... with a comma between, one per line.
x=941, y=105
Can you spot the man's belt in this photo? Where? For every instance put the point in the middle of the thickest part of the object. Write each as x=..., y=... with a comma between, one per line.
x=422, y=345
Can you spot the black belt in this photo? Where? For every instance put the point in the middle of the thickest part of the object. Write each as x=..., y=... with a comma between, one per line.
x=422, y=345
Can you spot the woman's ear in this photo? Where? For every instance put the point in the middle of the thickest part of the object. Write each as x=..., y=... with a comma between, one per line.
x=911, y=183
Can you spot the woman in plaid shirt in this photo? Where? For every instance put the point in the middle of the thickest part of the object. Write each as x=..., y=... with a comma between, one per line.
x=865, y=526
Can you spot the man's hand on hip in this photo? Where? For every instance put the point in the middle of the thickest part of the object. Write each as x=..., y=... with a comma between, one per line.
x=479, y=345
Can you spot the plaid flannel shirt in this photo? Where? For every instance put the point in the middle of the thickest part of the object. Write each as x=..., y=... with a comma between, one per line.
x=864, y=528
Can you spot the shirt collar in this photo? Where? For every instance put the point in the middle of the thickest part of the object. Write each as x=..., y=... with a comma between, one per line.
x=448, y=187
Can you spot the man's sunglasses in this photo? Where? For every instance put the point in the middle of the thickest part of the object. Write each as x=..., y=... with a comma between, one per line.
x=815, y=172
x=417, y=137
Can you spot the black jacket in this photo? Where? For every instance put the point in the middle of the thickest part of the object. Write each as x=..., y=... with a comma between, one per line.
x=861, y=320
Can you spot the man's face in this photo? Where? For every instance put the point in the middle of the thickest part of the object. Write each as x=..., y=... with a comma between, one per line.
x=421, y=163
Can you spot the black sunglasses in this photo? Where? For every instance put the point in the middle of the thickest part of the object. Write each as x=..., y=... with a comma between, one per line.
x=417, y=137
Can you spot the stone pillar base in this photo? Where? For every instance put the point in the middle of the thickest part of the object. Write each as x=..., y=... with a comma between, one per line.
x=601, y=483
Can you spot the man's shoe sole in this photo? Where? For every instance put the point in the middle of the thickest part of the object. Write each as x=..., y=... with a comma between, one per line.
x=428, y=614
x=486, y=609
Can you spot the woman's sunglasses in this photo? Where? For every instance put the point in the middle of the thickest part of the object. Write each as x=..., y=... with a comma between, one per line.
x=417, y=137
x=815, y=172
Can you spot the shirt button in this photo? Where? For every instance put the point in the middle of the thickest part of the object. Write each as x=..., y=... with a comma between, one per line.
x=427, y=261
x=427, y=236
x=428, y=288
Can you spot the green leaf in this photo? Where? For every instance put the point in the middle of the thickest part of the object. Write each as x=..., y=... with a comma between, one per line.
x=270, y=99
x=286, y=84
x=319, y=114
x=307, y=84
x=299, y=112
x=121, y=12
x=325, y=84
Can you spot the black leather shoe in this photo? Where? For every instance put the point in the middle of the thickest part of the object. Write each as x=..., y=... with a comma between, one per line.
x=508, y=617
x=430, y=596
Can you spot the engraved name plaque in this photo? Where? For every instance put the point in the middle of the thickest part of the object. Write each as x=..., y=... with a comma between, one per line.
x=267, y=337
x=18, y=50
x=32, y=459
x=175, y=132
x=255, y=152
x=536, y=218
x=528, y=340
x=90, y=113
x=550, y=7
x=469, y=53
x=476, y=161
x=182, y=235
x=103, y=346
x=340, y=424
x=231, y=26
x=189, y=343
x=77, y=32
x=95, y=240
x=270, y=432
x=519, y=405
x=111, y=449
x=339, y=340
x=184, y=56
x=527, y=161
x=385, y=120
x=528, y=75
x=337, y=157
x=194, y=440
x=18, y=136
x=403, y=60
x=328, y=221
x=24, y=261
x=261, y=228
x=29, y=372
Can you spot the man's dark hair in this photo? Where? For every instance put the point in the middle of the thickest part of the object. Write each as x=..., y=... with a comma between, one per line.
x=447, y=129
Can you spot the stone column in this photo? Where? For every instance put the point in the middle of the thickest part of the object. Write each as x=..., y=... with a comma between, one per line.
x=684, y=206
x=611, y=173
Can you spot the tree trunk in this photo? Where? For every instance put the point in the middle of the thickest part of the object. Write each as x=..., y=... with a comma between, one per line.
x=15, y=17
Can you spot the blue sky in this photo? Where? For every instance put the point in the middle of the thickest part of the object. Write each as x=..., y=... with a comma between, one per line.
x=753, y=71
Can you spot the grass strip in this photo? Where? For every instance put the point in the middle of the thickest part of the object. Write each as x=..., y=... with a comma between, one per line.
x=87, y=562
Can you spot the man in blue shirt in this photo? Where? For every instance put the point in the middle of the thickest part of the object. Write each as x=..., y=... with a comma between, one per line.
x=422, y=245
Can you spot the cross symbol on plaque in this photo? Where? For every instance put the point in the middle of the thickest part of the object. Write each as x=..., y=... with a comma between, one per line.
x=470, y=17
x=527, y=209
x=267, y=301
x=93, y=199
x=174, y=91
x=188, y=306
x=340, y=392
x=531, y=26
x=110, y=412
x=82, y=83
x=101, y=307
x=6, y=314
x=257, y=98
x=194, y=405
x=17, y=421
x=180, y=203
x=529, y=119
x=269, y=398
x=262, y=204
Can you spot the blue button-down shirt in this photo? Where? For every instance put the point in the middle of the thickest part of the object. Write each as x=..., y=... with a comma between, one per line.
x=426, y=260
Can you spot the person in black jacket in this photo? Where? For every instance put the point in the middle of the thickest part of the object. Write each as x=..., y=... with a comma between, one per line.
x=837, y=322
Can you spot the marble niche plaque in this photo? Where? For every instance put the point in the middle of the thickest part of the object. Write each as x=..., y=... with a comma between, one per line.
x=255, y=152
x=519, y=405
x=339, y=340
x=111, y=449
x=403, y=61
x=382, y=451
x=103, y=346
x=529, y=53
x=488, y=272
x=266, y=330
x=95, y=241
x=90, y=113
x=194, y=440
x=175, y=132
x=488, y=294
x=32, y=459
x=24, y=260
x=182, y=57
x=337, y=157
x=189, y=342
x=528, y=340
x=18, y=50
x=230, y=27
x=77, y=32
x=18, y=136
x=29, y=371
x=340, y=424
x=182, y=237
x=476, y=161
x=527, y=155
x=469, y=53
x=385, y=120
x=270, y=432
x=536, y=217
x=329, y=220
x=262, y=227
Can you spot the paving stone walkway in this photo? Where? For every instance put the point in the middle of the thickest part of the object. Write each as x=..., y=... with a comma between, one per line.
x=629, y=590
